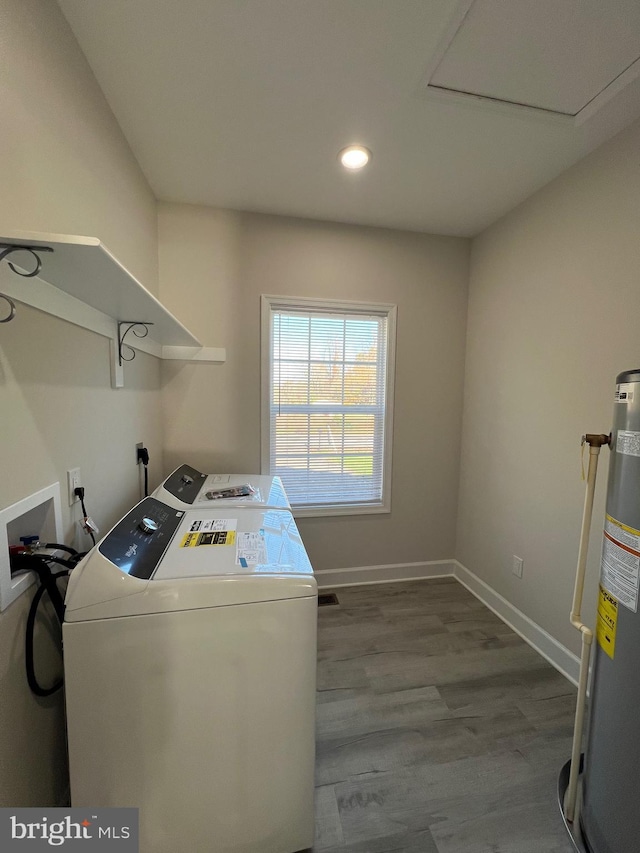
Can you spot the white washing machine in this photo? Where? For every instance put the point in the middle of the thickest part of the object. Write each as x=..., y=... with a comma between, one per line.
x=190, y=659
x=187, y=488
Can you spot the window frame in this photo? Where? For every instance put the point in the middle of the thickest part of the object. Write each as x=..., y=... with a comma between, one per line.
x=270, y=303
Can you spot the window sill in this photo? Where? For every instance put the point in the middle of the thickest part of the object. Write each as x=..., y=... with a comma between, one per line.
x=337, y=510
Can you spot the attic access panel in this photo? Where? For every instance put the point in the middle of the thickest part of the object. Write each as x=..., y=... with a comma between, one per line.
x=557, y=57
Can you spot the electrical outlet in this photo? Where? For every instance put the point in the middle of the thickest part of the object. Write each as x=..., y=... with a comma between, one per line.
x=139, y=446
x=74, y=481
x=518, y=566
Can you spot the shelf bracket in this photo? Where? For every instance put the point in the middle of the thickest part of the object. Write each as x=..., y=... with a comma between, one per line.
x=7, y=249
x=140, y=329
x=11, y=308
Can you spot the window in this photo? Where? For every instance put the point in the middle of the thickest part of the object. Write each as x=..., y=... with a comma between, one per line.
x=327, y=403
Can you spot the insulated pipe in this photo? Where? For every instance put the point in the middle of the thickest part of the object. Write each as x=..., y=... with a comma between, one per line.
x=595, y=442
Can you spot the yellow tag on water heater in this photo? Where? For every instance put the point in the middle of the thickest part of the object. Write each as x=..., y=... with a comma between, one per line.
x=607, y=621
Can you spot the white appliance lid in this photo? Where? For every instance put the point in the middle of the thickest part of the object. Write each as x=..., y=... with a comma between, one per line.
x=224, y=541
x=267, y=489
x=159, y=560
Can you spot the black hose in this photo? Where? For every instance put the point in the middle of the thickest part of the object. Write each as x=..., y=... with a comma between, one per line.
x=41, y=565
x=28, y=649
x=56, y=546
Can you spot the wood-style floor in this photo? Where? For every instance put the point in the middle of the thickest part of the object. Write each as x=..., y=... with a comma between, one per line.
x=439, y=729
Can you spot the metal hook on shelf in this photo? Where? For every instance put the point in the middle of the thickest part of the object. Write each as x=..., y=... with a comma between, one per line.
x=12, y=308
x=131, y=327
x=8, y=249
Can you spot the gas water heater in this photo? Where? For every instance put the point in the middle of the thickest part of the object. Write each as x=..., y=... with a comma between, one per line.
x=609, y=814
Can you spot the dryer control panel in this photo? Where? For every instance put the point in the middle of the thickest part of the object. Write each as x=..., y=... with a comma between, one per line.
x=185, y=483
x=137, y=543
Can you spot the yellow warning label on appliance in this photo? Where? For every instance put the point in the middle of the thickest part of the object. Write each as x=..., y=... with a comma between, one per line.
x=607, y=621
x=630, y=530
x=217, y=537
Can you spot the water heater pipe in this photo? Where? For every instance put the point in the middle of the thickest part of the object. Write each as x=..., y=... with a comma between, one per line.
x=595, y=442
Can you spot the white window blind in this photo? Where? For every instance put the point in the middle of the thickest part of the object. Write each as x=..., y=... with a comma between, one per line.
x=327, y=404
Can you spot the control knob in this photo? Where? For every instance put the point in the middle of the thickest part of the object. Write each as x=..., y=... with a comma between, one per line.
x=148, y=525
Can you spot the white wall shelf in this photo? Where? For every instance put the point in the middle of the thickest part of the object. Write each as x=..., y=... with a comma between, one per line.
x=83, y=283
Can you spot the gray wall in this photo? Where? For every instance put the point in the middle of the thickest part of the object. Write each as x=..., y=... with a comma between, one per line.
x=553, y=316
x=554, y=313
x=213, y=267
x=65, y=168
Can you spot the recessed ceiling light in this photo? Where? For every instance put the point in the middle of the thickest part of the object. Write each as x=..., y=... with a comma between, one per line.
x=354, y=157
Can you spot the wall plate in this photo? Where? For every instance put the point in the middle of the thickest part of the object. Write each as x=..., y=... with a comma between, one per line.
x=40, y=513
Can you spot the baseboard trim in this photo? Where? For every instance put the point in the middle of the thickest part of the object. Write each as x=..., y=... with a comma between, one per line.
x=392, y=573
x=547, y=646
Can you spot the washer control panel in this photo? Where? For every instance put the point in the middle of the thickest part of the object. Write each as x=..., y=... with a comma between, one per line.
x=137, y=542
x=185, y=483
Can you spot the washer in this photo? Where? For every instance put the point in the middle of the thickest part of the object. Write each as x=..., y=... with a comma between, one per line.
x=187, y=488
x=190, y=660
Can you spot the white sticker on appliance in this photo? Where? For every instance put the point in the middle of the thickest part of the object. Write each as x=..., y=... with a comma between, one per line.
x=250, y=549
x=628, y=442
x=621, y=562
x=213, y=525
x=624, y=392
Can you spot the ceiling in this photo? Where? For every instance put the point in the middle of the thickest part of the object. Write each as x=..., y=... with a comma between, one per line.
x=468, y=106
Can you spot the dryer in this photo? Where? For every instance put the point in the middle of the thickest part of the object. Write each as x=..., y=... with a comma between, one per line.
x=190, y=659
x=187, y=488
